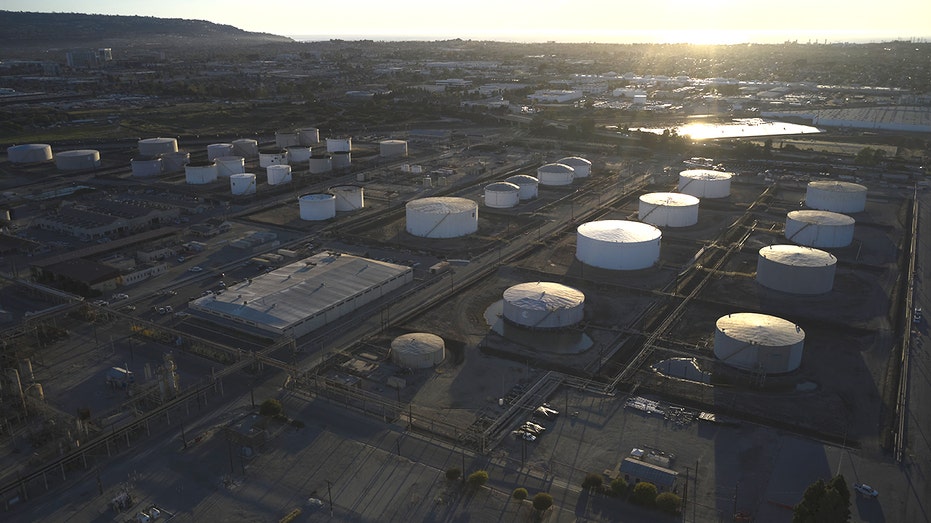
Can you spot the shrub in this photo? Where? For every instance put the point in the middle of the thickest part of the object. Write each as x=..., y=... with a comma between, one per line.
x=477, y=478
x=542, y=501
x=271, y=408
x=619, y=487
x=520, y=494
x=453, y=474
x=668, y=502
x=592, y=480
x=644, y=494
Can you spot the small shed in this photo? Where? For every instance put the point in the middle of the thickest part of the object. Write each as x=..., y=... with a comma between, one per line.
x=635, y=471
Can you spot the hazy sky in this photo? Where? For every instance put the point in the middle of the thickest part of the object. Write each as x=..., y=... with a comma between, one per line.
x=710, y=21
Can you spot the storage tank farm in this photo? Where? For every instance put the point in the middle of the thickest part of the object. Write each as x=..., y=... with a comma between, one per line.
x=29, y=153
x=668, y=209
x=317, y=207
x=581, y=167
x=555, y=174
x=759, y=343
x=418, y=350
x=836, y=196
x=502, y=195
x=823, y=229
x=795, y=269
x=705, y=183
x=543, y=305
x=529, y=186
x=348, y=197
x=618, y=244
x=77, y=159
x=242, y=184
x=441, y=217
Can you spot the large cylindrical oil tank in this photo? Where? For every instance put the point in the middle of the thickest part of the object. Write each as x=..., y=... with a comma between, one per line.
x=342, y=159
x=348, y=197
x=320, y=163
x=705, y=183
x=175, y=162
x=819, y=228
x=246, y=147
x=278, y=174
x=286, y=139
x=216, y=150
x=668, y=209
x=146, y=167
x=582, y=167
x=528, y=185
x=502, y=195
x=272, y=157
x=392, y=148
x=298, y=153
x=759, y=343
x=200, y=173
x=618, y=244
x=342, y=144
x=308, y=136
x=555, y=174
x=443, y=217
x=77, y=159
x=29, y=153
x=543, y=305
x=418, y=350
x=230, y=165
x=796, y=269
x=157, y=146
x=317, y=207
x=844, y=197
x=242, y=183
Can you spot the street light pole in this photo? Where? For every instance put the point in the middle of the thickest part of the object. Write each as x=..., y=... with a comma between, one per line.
x=329, y=495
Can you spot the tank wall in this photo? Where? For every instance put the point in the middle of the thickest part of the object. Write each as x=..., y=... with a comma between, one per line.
x=316, y=210
x=617, y=256
x=668, y=215
x=432, y=225
x=757, y=358
x=795, y=279
x=541, y=319
x=836, y=201
x=817, y=235
x=502, y=199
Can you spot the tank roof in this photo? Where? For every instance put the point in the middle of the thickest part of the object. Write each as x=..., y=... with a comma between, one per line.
x=821, y=217
x=669, y=199
x=543, y=296
x=760, y=329
x=837, y=186
x=417, y=343
x=797, y=256
x=317, y=196
x=522, y=178
x=706, y=174
x=556, y=168
x=502, y=187
x=441, y=205
x=572, y=161
x=619, y=231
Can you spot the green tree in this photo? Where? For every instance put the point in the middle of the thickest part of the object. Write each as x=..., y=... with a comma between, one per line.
x=477, y=478
x=592, y=480
x=271, y=408
x=668, y=502
x=542, y=501
x=453, y=474
x=520, y=494
x=619, y=487
x=824, y=502
x=644, y=494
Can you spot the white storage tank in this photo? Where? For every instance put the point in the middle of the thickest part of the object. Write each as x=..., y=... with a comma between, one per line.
x=199, y=173
x=759, y=343
x=230, y=165
x=157, y=146
x=298, y=153
x=286, y=139
x=146, y=167
x=278, y=174
x=502, y=195
x=836, y=196
x=543, y=305
x=442, y=217
x=77, y=159
x=705, y=183
x=242, y=183
x=335, y=145
x=320, y=163
x=246, y=147
x=348, y=197
x=316, y=207
x=819, y=228
x=217, y=150
x=342, y=159
x=796, y=269
x=308, y=136
x=528, y=185
x=555, y=174
x=668, y=209
x=618, y=244
x=29, y=153
x=175, y=162
x=392, y=148
x=582, y=167
x=418, y=350
x=272, y=157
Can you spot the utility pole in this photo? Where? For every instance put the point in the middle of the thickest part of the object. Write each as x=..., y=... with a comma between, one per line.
x=329, y=495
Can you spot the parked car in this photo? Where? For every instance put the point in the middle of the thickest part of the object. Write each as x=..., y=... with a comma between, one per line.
x=535, y=426
x=524, y=435
x=865, y=490
x=916, y=317
x=196, y=268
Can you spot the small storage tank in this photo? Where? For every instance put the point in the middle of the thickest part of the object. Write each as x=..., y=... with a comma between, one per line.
x=246, y=147
x=844, y=197
x=308, y=136
x=317, y=207
x=217, y=150
x=278, y=174
x=286, y=139
x=144, y=167
x=668, y=209
x=29, y=153
x=543, y=305
x=705, y=183
x=582, y=167
x=175, y=162
x=320, y=163
x=342, y=159
x=418, y=350
x=528, y=185
x=392, y=148
x=77, y=159
x=242, y=183
x=819, y=228
x=618, y=244
x=442, y=217
x=555, y=174
x=157, y=146
x=230, y=165
x=335, y=145
x=502, y=195
x=759, y=343
x=796, y=269
x=199, y=173
x=416, y=169
x=348, y=197
x=298, y=153
x=272, y=157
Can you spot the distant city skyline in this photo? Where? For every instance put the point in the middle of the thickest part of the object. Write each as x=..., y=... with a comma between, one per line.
x=603, y=21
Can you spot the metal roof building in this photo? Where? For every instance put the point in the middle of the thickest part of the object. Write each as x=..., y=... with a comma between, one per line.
x=635, y=471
